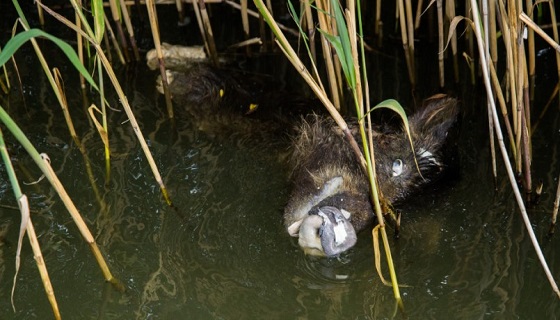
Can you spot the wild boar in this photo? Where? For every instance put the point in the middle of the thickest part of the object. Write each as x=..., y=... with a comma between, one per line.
x=330, y=201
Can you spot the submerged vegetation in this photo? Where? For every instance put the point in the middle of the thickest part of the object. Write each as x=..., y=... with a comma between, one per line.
x=337, y=39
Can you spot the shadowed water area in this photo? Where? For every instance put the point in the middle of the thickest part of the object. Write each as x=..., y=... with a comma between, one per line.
x=222, y=252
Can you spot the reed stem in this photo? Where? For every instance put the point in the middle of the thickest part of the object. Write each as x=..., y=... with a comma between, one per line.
x=114, y=41
x=152, y=14
x=117, y=19
x=213, y=53
x=440, y=43
x=555, y=208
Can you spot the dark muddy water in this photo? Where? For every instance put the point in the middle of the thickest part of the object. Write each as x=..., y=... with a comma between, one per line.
x=223, y=252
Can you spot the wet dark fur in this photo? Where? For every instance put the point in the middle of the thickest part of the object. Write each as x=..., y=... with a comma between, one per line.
x=321, y=153
x=224, y=100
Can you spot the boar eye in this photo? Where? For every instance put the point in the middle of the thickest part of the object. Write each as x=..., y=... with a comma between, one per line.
x=397, y=167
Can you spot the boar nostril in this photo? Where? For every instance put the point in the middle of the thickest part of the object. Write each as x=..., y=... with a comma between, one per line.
x=397, y=167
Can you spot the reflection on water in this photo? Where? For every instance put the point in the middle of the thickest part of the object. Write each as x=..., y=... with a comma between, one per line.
x=222, y=251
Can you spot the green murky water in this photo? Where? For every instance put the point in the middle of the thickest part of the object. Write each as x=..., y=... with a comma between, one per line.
x=223, y=253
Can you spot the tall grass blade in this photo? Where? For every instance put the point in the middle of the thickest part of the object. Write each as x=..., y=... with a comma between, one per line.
x=21, y=38
x=27, y=225
x=341, y=44
x=20, y=12
x=98, y=19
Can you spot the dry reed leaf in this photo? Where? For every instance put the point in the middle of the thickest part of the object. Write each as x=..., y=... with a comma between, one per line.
x=102, y=132
x=453, y=26
x=24, y=208
x=377, y=255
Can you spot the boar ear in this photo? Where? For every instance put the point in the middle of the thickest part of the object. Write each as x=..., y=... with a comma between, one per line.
x=436, y=117
x=293, y=229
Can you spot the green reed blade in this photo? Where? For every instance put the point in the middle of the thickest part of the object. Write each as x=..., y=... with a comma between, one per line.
x=21, y=38
x=20, y=12
x=394, y=106
x=9, y=167
x=98, y=19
